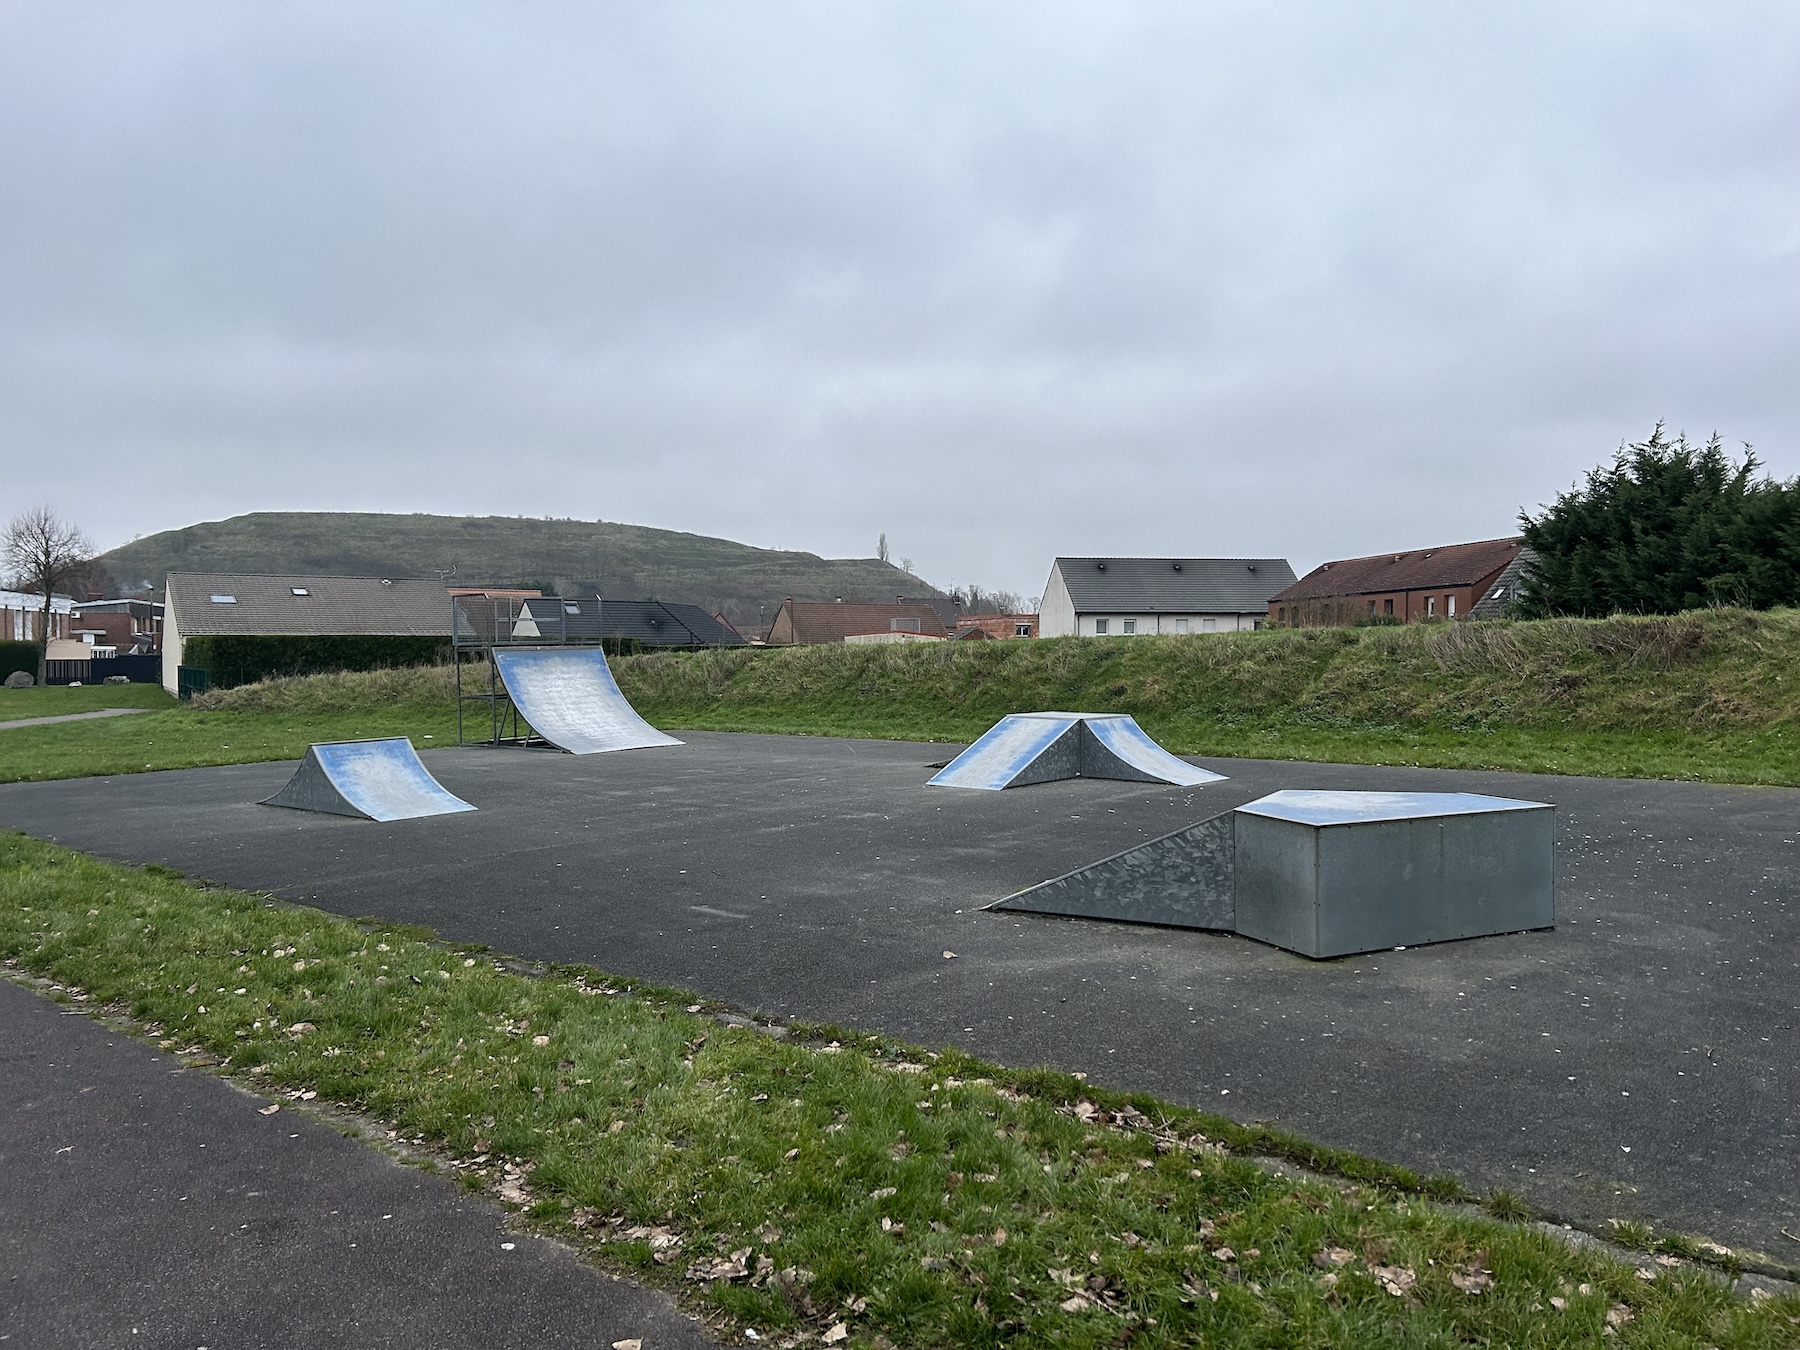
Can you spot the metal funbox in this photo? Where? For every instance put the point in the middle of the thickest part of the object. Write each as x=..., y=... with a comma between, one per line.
x=1331, y=873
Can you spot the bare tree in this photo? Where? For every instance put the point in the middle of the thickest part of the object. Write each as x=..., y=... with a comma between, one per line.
x=41, y=551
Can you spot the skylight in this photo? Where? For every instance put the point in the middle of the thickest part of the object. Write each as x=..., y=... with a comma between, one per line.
x=224, y=599
x=299, y=590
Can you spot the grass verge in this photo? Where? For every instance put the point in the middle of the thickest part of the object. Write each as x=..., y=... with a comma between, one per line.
x=55, y=700
x=819, y=1184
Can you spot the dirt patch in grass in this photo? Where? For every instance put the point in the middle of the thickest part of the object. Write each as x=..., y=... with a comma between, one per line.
x=815, y=1179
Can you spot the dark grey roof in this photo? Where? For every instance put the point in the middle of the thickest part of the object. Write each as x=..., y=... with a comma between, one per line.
x=1507, y=588
x=331, y=605
x=1173, y=585
x=655, y=623
x=663, y=623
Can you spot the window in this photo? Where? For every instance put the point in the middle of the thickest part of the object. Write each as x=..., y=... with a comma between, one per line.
x=903, y=625
x=298, y=590
x=1371, y=606
x=1129, y=626
x=1021, y=630
x=1430, y=606
x=571, y=607
x=1100, y=627
x=1450, y=605
x=224, y=599
x=1256, y=625
x=1281, y=613
x=1387, y=606
x=1209, y=625
x=1181, y=625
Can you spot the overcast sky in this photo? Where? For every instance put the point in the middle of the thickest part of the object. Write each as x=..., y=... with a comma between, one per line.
x=1005, y=281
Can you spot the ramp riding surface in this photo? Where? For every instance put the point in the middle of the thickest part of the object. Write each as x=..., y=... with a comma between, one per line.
x=569, y=696
x=814, y=878
x=375, y=780
x=1027, y=748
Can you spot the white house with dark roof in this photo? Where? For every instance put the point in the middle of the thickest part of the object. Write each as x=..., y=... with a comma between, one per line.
x=235, y=605
x=1124, y=597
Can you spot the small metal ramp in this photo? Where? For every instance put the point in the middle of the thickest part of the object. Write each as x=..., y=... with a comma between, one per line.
x=1042, y=747
x=570, y=698
x=371, y=780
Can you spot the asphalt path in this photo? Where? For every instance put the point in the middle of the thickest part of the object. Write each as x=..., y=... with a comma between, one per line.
x=70, y=717
x=1641, y=1060
x=151, y=1206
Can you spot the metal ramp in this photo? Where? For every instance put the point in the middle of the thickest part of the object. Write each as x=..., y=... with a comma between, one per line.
x=569, y=697
x=1330, y=873
x=371, y=780
x=1027, y=748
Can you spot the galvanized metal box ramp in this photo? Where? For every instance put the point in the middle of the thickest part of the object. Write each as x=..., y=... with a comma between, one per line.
x=372, y=780
x=1331, y=873
x=570, y=698
x=1027, y=748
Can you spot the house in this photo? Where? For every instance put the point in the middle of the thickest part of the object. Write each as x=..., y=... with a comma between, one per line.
x=978, y=626
x=131, y=626
x=215, y=604
x=1112, y=597
x=21, y=614
x=810, y=622
x=1429, y=583
x=1506, y=589
x=651, y=623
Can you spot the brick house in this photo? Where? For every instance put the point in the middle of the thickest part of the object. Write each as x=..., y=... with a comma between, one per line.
x=1421, y=585
x=978, y=626
x=805, y=622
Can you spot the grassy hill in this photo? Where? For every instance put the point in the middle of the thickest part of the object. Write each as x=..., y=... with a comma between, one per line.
x=631, y=561
x=1708, y=694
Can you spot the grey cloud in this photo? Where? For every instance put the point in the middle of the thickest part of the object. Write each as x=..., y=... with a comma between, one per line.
x=1001, y=281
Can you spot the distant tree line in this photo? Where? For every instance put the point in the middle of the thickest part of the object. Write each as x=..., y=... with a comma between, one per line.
x=1666, y=526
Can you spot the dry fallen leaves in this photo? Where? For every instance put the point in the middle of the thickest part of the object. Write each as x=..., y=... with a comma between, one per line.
x=270, y=1109
x=1397, y=1280
x=1472, y=1281
x=838, y=1332
x=635, y=1343
x=1329, y=1258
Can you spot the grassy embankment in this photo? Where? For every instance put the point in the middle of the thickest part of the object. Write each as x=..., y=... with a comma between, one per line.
x=1711, y=695
x=817, y=1180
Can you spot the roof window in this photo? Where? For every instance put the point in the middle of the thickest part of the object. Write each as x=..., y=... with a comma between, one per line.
x=299, y=590
x=224, y=599
x=571, y=607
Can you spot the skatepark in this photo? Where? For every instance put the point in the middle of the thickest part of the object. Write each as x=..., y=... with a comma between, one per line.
x=1637, y=1060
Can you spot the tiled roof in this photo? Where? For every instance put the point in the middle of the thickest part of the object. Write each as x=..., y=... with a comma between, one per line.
x=1173, y=585
x=587, y=618
x=328, y=605
x=1417, y=570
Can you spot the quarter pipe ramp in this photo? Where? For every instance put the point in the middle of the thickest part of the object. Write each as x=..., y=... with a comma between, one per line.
x=372, y=780
x=570, y=698
x=1043, y=747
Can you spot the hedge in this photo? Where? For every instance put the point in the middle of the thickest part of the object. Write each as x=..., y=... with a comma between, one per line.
x=238, y=660
x=18, y=656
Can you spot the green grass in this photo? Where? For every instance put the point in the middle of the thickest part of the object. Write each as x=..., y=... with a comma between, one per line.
x=1711, y=696
x=794, y=1184
x=55, y=700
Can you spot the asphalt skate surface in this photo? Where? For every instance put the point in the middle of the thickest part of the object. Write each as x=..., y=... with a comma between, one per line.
x=151, y=1206
x=1641, y=1060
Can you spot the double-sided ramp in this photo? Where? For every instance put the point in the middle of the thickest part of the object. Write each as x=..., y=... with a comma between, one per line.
x=1028, y=748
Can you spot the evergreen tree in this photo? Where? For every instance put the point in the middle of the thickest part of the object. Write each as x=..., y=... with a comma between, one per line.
x=1667, y=526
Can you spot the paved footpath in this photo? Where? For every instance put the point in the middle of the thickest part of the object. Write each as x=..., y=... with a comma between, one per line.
x=150, y=1206
x=70, y=717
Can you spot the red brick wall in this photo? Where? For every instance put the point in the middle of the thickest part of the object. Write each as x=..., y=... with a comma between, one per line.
x=997, y=625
